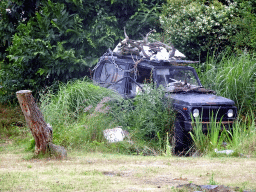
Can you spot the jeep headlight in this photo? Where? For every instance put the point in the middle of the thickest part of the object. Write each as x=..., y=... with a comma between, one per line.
x=195, y=113
x=230, y=113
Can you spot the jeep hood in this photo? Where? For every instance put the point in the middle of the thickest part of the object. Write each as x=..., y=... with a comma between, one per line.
x=197, y=99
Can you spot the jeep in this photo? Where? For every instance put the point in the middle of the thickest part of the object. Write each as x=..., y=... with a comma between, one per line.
x=129, y=75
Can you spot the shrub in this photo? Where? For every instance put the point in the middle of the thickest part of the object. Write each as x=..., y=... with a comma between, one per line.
x=12, y=121
x=245, y=36
x=197, y=28
x=51, y=41
x=41, y=54
x=148, y=116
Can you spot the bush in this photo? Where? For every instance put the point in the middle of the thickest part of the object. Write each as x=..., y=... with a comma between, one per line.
x=41, y=54
x=149, y=115
x=245, y=36
x=51, y=41
x=198, y=28
x=12, y=121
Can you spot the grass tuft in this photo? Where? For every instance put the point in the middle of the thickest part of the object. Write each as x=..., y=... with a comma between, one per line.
x=241, y=138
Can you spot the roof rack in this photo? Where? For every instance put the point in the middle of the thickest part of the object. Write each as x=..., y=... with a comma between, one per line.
x=156, y=62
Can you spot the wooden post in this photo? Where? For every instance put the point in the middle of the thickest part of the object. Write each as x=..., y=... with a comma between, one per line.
x=41, y=132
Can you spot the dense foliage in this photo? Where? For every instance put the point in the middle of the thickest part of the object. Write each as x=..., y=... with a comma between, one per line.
x=53, y=41
x=44, y=42
x=201, y=28
x=245, y=35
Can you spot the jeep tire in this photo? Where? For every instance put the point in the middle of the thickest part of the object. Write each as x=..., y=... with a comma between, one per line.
x=178, y=137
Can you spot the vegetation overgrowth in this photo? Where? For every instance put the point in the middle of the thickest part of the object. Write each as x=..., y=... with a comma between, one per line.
x=232, y=77
x=51, y=42
x=11, y=120
x=199, y=28
x=238, y=141
x=46, y=41
x=81, y=111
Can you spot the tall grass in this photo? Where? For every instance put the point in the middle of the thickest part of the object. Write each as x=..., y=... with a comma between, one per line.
x=241, y=138
x=149, y=115
x=80, y=111
x=206, y=141
x=71, y=100
x=244, y=135
x=233, y=77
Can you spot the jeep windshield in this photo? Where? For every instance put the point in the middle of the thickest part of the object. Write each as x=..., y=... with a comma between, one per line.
x=179, y=80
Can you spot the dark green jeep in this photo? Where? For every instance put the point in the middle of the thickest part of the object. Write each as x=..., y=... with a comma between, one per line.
x=129, y=75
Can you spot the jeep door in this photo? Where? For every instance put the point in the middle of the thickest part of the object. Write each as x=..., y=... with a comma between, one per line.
x=111, y=76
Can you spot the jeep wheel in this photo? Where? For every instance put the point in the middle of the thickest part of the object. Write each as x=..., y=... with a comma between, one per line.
x=182, y=140
x=179, y=144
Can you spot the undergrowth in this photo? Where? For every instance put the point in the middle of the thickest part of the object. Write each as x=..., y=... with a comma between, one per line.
x=81, y=111
x=65, y=107
x=233, y=77
x=12, y=121
x=240, y=138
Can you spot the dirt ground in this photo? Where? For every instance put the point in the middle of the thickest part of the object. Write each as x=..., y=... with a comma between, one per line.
x=113, y=172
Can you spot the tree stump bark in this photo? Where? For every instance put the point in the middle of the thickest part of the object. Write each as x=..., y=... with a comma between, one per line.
x=41, y=132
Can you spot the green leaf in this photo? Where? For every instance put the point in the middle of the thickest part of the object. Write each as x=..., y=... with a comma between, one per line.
x=41, y=71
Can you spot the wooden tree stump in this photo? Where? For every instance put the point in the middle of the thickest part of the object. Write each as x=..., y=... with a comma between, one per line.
x=41, y=132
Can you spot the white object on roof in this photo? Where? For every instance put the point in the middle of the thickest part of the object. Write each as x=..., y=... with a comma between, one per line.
x=160, y=55
x=163, y=54
x=178, y=54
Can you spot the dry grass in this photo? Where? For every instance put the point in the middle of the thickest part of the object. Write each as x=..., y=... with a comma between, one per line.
x=113, y=172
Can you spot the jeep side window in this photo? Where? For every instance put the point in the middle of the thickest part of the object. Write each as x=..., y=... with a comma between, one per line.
x=111, y=74
x=107, y=73
x=143, y=75
x=191, y=79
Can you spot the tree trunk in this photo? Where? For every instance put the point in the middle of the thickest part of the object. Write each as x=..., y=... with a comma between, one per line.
x=41, y=132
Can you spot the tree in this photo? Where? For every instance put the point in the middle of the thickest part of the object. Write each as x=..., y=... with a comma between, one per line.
x=245, y=35
x=65, y=38
x=199, y=28
x=11, y=14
